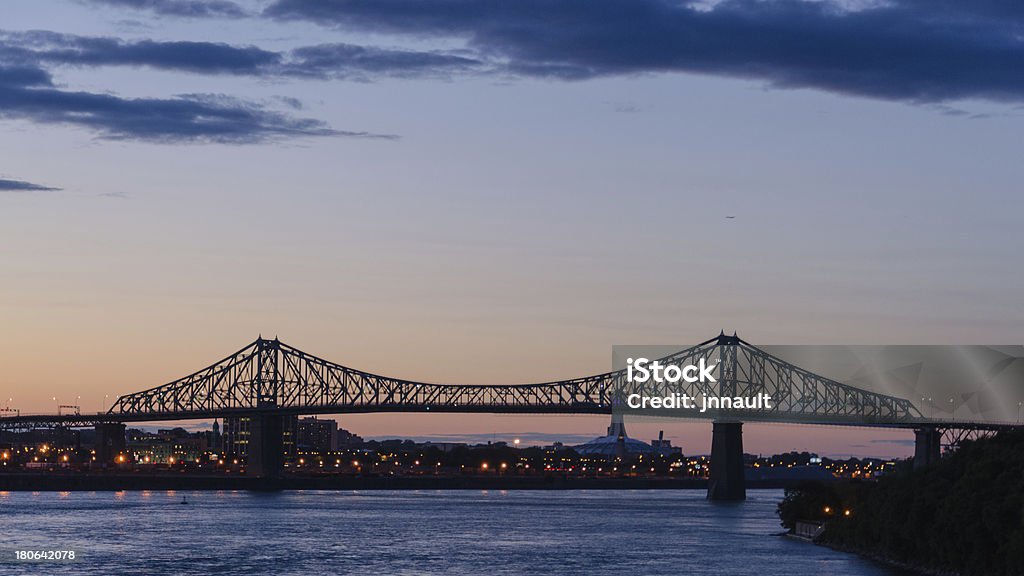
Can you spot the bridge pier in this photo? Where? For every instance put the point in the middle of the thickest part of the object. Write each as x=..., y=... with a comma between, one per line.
x=927, y=446
x=266, y=446
x=727, y=482
x=110, y=441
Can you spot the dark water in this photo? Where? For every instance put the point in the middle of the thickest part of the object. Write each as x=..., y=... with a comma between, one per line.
x=405, y=532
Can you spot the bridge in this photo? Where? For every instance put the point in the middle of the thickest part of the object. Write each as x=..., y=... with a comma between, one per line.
x=268, y=380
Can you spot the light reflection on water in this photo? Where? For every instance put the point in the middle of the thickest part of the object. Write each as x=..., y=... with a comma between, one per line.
x=410, y=532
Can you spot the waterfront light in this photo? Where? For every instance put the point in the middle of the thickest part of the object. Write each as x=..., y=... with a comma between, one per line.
x=846, y=512
x=828, y=510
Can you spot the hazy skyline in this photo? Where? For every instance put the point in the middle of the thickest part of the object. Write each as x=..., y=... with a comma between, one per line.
x=474, y=193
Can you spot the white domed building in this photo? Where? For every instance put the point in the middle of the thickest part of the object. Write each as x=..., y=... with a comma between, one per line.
x=616, y=444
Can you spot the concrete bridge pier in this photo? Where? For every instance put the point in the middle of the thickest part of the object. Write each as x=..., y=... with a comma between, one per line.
x=110, y=442
x=727, y=481
x=266, y=446
x=927, y=446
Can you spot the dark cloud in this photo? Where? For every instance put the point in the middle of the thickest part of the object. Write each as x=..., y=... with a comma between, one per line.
x=911, y=50
x=183, y=8
x=338, y=61
x=27, y=89
x=200, y=57
x=29, y=94
x=362, y=62
x=22, y=186
x=15, y=75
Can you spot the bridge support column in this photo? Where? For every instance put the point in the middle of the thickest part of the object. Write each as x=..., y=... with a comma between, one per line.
x=266, y=446
x=927, y=446
x=727, y=481
x=110, y=442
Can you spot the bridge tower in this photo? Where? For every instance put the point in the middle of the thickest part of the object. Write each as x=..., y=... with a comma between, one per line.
x=266, y=446
x=266, y=432
x=927, y=446
x=727, y=482
x=110, y=442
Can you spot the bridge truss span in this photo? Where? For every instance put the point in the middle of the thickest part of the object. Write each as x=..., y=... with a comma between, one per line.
x=269, y=375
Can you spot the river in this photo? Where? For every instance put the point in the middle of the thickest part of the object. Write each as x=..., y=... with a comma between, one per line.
x=631, y=532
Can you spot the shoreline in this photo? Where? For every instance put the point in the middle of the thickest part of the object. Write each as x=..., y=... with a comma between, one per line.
x=21, y=482
x=909, y=568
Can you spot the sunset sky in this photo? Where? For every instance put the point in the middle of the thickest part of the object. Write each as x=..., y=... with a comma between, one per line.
x=499, y=192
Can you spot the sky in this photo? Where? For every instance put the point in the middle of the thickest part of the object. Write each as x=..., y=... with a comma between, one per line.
x=494, y=192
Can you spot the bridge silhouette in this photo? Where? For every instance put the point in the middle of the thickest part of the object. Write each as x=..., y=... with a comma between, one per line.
x=268, y=380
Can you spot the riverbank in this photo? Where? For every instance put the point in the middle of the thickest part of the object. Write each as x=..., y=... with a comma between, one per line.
x=98, y=482
x=903, y=567
x=963, y=516
x=104, y=482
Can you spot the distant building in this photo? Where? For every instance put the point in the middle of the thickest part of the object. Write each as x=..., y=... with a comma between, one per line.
x=346, y=439
x=238, y=433
x=615, y=444
x=166, y=446
x=317, y=435
x=664, y=447
x=215, y=437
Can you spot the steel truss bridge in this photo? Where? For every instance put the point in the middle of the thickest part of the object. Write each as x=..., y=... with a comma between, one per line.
x=269, y=376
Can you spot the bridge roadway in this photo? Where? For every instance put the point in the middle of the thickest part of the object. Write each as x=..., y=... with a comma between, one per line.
x=269, y=380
